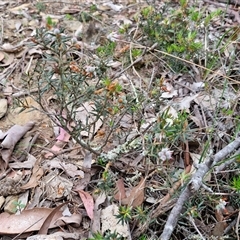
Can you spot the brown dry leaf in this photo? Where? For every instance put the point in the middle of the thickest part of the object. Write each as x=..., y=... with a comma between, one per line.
x=121, y=193
x=96, y=223
x=69, y=168
x=47, y=222
x=3, y=107
x=219, y=229
x=8, y=60
x=29, y=163
x=136, y=196
x=34, y=51
x=2, y=56
x=87, y=202
x=28, y=221
x=10, y=139
x=9, y=48
x=87, y=162
x=36, y=175
x=56, y=186
x=74, y=219
x=14, y=134
x=56, y=236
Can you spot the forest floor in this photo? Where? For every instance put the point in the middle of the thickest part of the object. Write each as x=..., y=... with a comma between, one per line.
x=119, y=119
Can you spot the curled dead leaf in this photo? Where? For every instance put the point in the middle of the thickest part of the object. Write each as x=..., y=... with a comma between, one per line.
x=136, y=196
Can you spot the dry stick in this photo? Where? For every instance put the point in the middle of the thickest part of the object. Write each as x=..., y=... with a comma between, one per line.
x=60, y=152
x=196, y=228
x=193, y=186
x=220, y=168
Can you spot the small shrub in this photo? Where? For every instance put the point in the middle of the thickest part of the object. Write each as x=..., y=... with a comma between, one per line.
x=177, y=30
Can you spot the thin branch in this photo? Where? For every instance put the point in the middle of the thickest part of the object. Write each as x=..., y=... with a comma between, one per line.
x=194, y=185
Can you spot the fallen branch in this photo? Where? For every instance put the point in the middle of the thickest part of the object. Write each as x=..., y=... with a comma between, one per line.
x=194, y=185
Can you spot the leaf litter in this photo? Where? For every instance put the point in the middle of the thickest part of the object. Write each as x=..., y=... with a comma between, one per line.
x=56, y=171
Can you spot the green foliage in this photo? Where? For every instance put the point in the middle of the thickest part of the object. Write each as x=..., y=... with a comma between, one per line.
x=19, y=206
x=107, y=236
x=176, y=30
x=136, y=53
x=106, y=184
x=140, y=214
x=124, y=214
x=72, y=86
x=143, y=237
x=93, y=8
x=124, y=28
x=69, y=16
x=236, y=183
x=168, y=130
x=41, y=6
x=84, y=17
x=106, y=50
x=50, y=23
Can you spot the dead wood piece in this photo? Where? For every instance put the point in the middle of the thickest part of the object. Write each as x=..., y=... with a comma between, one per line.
x=194, y=185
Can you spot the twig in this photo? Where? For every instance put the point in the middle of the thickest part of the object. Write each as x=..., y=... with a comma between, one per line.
x=60, y=152
x=194, y=225
x=194, y=185
x=227, y=163
x=230, y=226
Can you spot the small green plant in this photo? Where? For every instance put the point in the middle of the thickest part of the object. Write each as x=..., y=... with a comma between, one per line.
x=136, y=53
x=107, y=236
x=106, y=184
x=140, y=214
x=69, y=16
x=84, y=17
x=93, y=8
x=124, y=28
x=106, y=50
x=41, y=6
x=177, y=30
x=19, y=206
x=50, y=23
x=168, y=129
x=235, y=184
x=73, y=88
x=124, y=214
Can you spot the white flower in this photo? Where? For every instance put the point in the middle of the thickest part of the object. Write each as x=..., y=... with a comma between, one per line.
x=221, y=205
x=114, y=36
x=165, y=154
x=56, y=31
